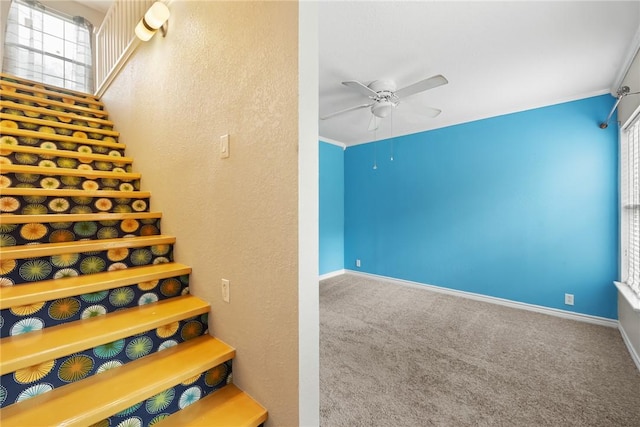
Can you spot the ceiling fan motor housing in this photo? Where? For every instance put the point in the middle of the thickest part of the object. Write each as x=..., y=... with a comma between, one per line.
x=386, y=99
x=382, y=86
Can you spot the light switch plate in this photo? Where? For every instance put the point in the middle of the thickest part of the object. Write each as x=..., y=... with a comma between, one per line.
x=224, y=146
x=225, y=290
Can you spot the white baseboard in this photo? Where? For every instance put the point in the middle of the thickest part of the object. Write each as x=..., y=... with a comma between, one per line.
x=331, y=274
x=632, y=351
x=603, y=321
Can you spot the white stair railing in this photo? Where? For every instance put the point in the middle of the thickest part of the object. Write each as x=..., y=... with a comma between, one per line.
x=115, y=40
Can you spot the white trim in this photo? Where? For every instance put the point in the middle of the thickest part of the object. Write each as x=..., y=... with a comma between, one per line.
x=632, y=351
x=332, y=274
x=333, y=142
x=134, y=42
x=631, y=118
x=628, y=294
x=634, y=48
x=596, y=320
x=117, y=67
x=308, y=199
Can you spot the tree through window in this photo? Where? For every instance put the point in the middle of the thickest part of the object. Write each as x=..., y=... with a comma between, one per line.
x=49, y=47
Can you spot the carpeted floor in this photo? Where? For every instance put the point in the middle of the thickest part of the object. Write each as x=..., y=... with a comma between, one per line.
x=395, y=356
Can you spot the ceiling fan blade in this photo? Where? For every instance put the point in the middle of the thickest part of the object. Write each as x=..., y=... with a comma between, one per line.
x=430, y=112
x=357, y=107
x=365, y=90
x=416, y=108
x=374, y=123
x=421, y=86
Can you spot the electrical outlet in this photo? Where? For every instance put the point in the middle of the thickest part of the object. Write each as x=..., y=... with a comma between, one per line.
x=568, y=299
x=225, y=290
x=358, y=263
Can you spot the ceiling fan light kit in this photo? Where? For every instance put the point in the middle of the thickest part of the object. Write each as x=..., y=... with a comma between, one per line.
x=382, y=108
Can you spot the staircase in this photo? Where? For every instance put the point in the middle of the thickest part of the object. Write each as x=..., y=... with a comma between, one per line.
x=97, y=324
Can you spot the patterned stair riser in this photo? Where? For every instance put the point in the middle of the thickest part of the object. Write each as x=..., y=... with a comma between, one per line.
x=22, y=180
x=46, y=144
x=29, y=270
x=55, y=106
x=6, y=82
x=39, y=205
x=44, y=98
x=46, y=376
x=62, y=160
x=43, y=141
x=56, y=232
x=10, y=122
x=53, y=117
x=54, y=92
x=33, y=317
x=165, y=403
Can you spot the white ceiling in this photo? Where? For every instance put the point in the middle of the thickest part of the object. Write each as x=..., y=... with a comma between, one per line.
x=499, y=58
x=99, y=5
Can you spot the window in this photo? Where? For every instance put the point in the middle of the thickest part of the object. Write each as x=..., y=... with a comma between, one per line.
x=47, y=46
x=630, y=195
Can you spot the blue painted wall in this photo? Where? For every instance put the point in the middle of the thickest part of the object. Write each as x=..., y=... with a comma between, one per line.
x=331, y=208
x=521, y=206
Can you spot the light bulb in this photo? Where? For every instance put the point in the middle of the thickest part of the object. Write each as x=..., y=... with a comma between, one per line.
x=142, y=32
x=157, y=15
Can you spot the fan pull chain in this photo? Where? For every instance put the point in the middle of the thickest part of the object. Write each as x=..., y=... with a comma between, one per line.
x=375, y=149
x=392, y=135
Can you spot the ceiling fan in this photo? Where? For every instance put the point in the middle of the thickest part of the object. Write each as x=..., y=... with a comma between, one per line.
x=384, y=97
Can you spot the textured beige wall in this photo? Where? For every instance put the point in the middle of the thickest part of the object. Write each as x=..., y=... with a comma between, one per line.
x=227, y=67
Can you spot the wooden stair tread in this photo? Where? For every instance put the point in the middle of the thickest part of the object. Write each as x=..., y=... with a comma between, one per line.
x=99, y=216
x=67, y=192
x=22, y=351
x=79, y=246
x=51, y=102
x=91, y=400
x=64, y=153
x=88, y=173
x=43, y=89
x=42, y=122
x=48, y=112
x=56, y=137
x=47, y=290
x=226, y=407
x=46, y=85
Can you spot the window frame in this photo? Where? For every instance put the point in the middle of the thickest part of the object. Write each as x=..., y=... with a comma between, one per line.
x=83, y=80
x=628, y=205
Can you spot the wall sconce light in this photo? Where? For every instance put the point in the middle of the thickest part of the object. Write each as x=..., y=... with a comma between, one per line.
x=155, y=18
